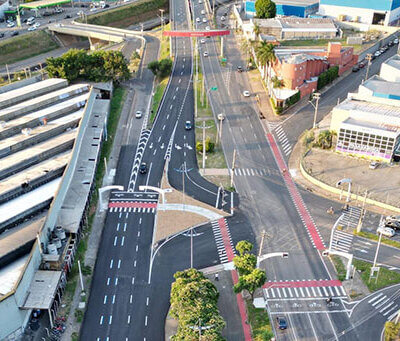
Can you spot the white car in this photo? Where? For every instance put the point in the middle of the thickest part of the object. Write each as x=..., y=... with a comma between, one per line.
x=222, y=18
x=386, y=231
x=197, y=19
x=11, y=24
x=138, y=114
x=203, y=11
x=396, y=41
x=205, y=54
x=200, y=1
x=392, y=218
x=80, y=13
x=377, y=53
x=246, y=93
x=204, y=20
x=32, y=28
x=373, y=165
x=207, y=28
x=36, y=24
x=202, y=41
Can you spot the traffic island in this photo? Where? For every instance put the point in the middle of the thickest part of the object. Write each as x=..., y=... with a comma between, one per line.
x=179, y=212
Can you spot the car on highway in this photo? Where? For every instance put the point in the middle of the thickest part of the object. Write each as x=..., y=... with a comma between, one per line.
x=30, y=21
x=11, y=24
x=67, y=16
x=377, y=53
x=202, y=41
x=205, y=54
x=204, y=20
x=59, y=10
x=32, y=28
x=207, y=28
x=138, y=114
x=391, y=43
x=197, y=19
x=80, y=13
x=143, y=168
x=239, y=68
x=246, y=93
x=200, y=1
x=386, y=231
x=281, y=323
x=203, y=11
x=188, y=125
x=373, y=165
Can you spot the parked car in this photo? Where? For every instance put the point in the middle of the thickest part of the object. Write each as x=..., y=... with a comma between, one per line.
x=202, y=41
x=393, y=218
x=355, y=68
x=239, y=68
x=59, y=10
x=205, y=54
x=143, y=168
x=362, y=64
x=386, y=231
x=204, y=20
x=138, y=114
x=391, y=43
x=377, y=53
x=67, y=16
x=281, y=323
x=197, y=19
x=393, y=224
x=373, y=165
x=11, y=24
x=32, y=28
x=246, y=93
x=188, y=125
x=15, y=33
x=396, y=41
x=47, y=14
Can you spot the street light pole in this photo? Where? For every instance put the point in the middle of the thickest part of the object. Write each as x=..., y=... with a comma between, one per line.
x=233, y=166
x=316, y=96
x=162, y=19
x=368, y=57
x=204, y=147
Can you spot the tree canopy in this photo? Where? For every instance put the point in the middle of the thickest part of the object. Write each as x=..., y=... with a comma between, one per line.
x=194, y=301
x=99, y=66
x=265, y=9
x=160, y=68
x=250, y=282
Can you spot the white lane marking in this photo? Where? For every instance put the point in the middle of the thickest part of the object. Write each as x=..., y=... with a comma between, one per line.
x=119, y=263
x=147, y=301
x=140, y=220
x=130, y=298
x=159, y=139
x=101, y=319
x=110, y=320
x=163, y=128
x=167, y=116
x=105, y=299
x=138, y=233
x=170, y=107
x=381, y=299
x=174, y=97
x=115, y=241
x=385, y=307
x=124, y=227
x=145, y=321
x=118, y=227
x=113, y=300
x=116, y=280
x=122, y=241
x=137, y=248
x=129, y=319
x=111, y=263
x=108, y=281
x=155, y=151
x=133, y=280
x=134, y=264
x=312, y=327
x=333, y=329
x=180, y=80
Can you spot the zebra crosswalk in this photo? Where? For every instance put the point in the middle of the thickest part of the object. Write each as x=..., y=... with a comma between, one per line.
x=385, y=305
x=350, y=217
x=132, y=209
x=254, y=172
x=342, y=241
x=223, y=257
x=281, y=135
x=304, y=292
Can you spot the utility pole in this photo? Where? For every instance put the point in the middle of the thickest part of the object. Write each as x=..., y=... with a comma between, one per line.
x=368, y=57
x=219, y=135
x=162, y=19
x=262, y=242
x=191, y=248
x=183, y=184
x=204, y=147
x=376, y=256
x=360, y=222
x=316, y=96
x=202, y=92
x=233, y=166
x=8, y=74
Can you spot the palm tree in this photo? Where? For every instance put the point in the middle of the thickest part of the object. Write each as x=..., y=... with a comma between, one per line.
x=277, y=83
x=265, y=55
x=256, y=29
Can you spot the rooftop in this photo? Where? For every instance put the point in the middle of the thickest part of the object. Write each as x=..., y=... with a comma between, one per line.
x=296, y=2
x=371, y=127
x=298, y=24
x=382, y=88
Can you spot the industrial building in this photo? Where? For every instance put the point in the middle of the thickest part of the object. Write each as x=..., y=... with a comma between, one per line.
x=380, y=12
x=367, y=123
x=298, y=8
x=50, y=139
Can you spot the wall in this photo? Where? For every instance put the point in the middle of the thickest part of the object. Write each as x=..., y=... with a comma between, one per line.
x=365, y=15
x=389, y=73
x=378, y=5
x=289, y=10
x=11, y=319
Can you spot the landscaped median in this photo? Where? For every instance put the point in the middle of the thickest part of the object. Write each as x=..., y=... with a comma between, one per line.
x=375, y=237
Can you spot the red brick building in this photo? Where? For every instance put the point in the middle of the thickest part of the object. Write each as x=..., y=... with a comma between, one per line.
x=299, y=69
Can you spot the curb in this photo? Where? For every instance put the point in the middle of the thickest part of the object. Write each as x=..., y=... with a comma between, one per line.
x=335, y=190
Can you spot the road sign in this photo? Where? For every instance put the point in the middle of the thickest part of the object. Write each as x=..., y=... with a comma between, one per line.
x=223, y=59
x=214, y=88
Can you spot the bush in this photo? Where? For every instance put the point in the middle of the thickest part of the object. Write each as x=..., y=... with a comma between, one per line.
x=79, y=315
x=161, y=68
x=327, y=77
x=209, y=146
x=391, y=331
x=324, y=139
x=308, y=138
x=293, y=99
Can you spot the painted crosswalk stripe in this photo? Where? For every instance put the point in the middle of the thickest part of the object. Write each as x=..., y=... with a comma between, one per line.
x=380, y=300
x=301, y=291
x=284, y=292
x=390, y=310
x=385, y=307
x=273, y=293
x=308, y=293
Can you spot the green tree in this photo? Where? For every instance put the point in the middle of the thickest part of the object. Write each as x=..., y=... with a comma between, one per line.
x=391, y=331
x=256, y=30
x=115, y=66
x=165, y=67
x=265, y=9
x=277, y=83
x=250, y=282
x=245, y=264
x=243, y=247
x=154, y=67
x=265, y=55
x=324, y=139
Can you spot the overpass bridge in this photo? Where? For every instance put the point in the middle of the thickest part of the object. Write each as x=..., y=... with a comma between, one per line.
x=96, y=33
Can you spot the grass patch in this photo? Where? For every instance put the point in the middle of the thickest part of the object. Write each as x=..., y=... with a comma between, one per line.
x=339, y=266
x=385, y=278
x=259, y=322
x=131, y=14
x=157, y=98
x=375, y=237
x=164, y=43
x=21, y=47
